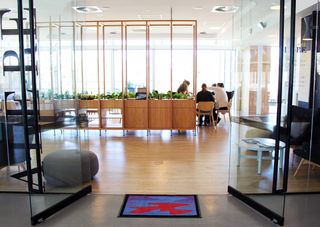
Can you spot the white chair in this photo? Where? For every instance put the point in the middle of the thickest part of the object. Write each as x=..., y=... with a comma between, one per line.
x=225, y=111
x=230, y=95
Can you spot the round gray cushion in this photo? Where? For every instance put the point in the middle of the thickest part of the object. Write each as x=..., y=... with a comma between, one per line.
x=70, y=167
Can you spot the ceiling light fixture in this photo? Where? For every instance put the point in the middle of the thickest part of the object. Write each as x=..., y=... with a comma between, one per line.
x=214, y=28
x=224, y=9
x=276, y=7
x=197, y=8
x=87, y=9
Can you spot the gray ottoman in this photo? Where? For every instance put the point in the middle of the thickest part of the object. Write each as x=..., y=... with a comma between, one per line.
x=70, y=167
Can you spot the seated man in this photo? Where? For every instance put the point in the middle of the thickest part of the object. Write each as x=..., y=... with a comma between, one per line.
x=205, y=96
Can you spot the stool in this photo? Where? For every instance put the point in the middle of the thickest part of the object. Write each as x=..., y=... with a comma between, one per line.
x=70, y=167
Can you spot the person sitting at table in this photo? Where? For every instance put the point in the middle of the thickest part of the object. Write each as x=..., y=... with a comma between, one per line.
x=205, y=96
x=221, y=97
x=183, y=88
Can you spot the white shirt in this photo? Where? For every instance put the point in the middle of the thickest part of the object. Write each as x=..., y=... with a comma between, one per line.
x=220, y=96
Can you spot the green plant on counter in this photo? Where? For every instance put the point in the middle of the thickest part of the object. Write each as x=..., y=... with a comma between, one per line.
x=185, y=96
x=87, y=96
x=46, y=95
x=174, y=95
x=177, y=96
x=154, y=95
x=113, y=95
x=58, y=96
x=165, y=95
x=131, y=95
x=65, y=95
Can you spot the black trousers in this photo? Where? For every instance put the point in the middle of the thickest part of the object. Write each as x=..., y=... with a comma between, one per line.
x=207, y=118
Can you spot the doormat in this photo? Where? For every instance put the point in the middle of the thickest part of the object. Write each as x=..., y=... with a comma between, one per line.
x=154, y=206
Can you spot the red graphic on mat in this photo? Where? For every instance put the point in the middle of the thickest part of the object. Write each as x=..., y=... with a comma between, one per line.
x=163, y=207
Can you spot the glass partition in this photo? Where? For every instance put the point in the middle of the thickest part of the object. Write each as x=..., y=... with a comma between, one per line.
x=257, y=154
x=62, y=167
x=136, y=57
x=112, y=67
x=90, y=58
x=303, y=174
x=12, y=155
x=182, y=56
x=160, y=64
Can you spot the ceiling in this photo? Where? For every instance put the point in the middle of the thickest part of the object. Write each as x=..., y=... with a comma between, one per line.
x=210, y=25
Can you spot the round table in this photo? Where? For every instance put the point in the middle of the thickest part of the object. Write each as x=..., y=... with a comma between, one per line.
x=260, y=145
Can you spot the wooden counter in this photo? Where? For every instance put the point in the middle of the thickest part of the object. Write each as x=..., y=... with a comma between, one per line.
x=160, y=114
x=132, y=114
x=183, y=114
x=112, y=113
x=135, y=114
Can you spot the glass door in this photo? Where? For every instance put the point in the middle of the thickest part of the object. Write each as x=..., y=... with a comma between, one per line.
x=258, y=156
x=60, y=166
x=303, y=167
x=275, y=142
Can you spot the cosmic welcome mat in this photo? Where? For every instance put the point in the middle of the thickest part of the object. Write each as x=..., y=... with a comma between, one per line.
x=185, y=206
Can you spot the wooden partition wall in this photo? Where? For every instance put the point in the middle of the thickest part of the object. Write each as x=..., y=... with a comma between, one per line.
x=133, y=114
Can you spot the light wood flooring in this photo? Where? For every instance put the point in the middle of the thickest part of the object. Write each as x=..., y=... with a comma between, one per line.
x=163, y=163
x=158, y=163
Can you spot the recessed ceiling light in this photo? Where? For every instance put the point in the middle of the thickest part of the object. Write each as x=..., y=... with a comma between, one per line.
x=197, y=8
x=214, y=28
x=224, y=9
x=91, y=28
x=87, y=9
x=276, y=7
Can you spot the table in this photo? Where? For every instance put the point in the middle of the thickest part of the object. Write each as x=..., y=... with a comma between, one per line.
x=260, y=145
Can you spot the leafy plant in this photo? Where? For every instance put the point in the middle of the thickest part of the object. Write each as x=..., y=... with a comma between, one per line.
x=86, y=96
x=165, y=95
x=181, y=96
x=154, y=95
x=131, y=94
x=66, y=95
x=113, y=95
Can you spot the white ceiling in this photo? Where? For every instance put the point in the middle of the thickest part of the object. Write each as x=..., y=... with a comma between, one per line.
x=253, y=11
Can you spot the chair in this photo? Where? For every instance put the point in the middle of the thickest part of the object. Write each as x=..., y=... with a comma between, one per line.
x=205, y=109
x=300, y=136
x=225, y=111
x=307, y=157
x=230, y=95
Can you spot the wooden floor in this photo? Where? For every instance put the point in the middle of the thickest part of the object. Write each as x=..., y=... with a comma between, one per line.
x=161, y=163
x=158, y=163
